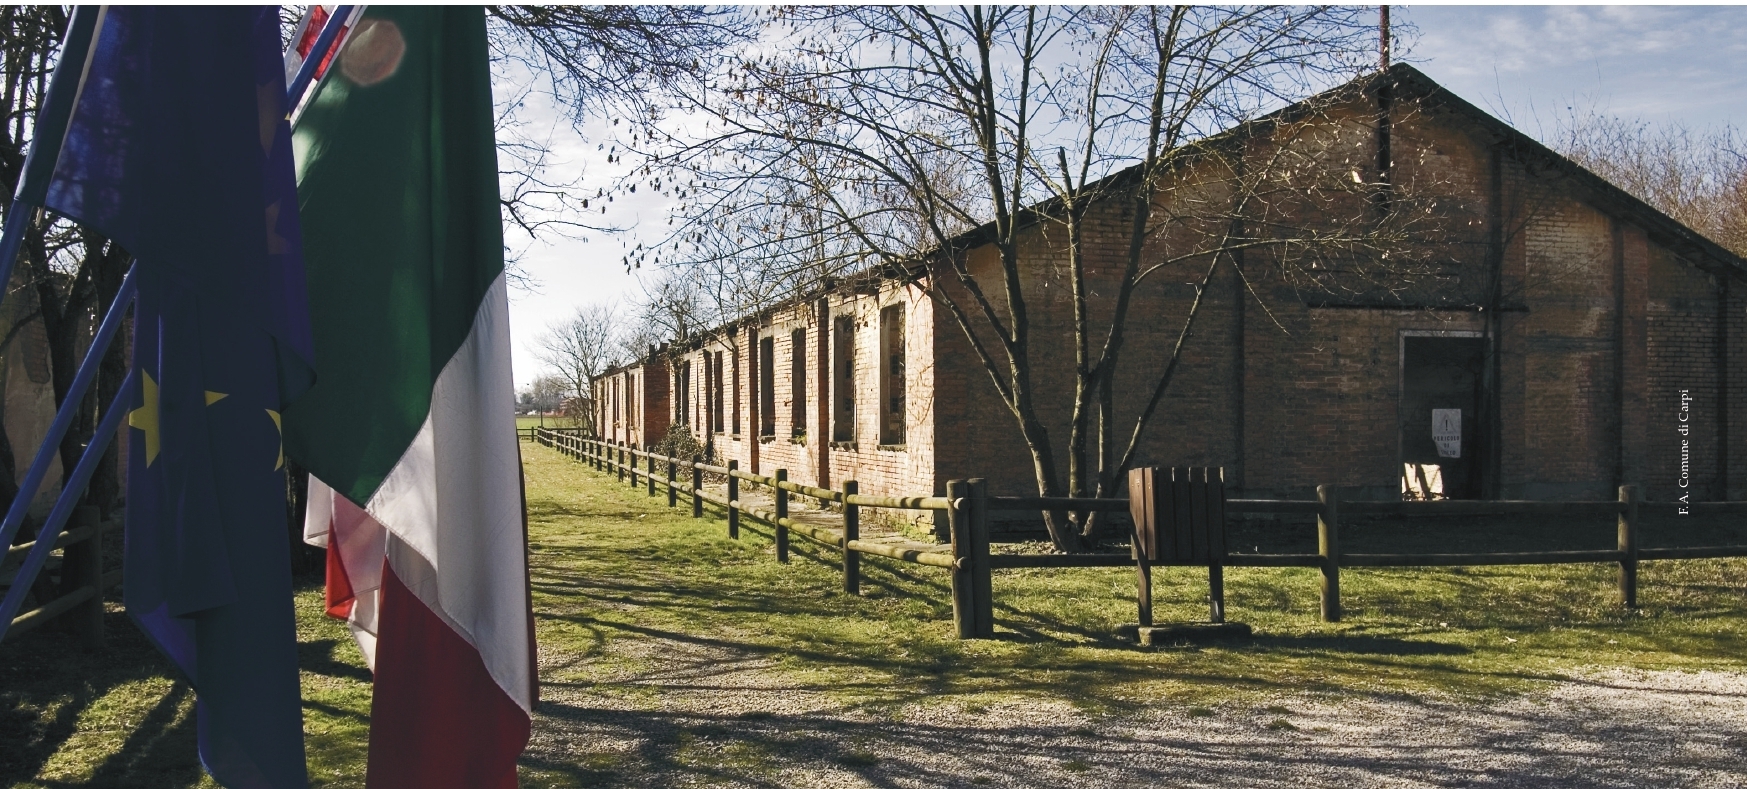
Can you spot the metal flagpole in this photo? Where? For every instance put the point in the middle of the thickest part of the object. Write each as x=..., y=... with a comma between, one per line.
x=317, y=54
x=54, y=115
x=45, y=454
x=69, y=498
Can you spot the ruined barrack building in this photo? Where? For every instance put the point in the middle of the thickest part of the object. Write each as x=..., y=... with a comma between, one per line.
x=1619, y=342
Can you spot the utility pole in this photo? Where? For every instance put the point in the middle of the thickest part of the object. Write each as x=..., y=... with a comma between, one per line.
x=1383, y=37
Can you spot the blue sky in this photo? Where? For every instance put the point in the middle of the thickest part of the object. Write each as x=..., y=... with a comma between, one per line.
x=1529, y=65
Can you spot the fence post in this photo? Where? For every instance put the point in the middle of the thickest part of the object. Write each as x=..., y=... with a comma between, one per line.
x=672, y=490
x=983, y=595
x=82, y=563
x=697, y=486
x=633, y=454
x=1629, y=546
x=851, y=531
x=1328, y=544
x=619, y=465
x=733, y=500
x=649, y=468
x=782, y=514
x=964, y=618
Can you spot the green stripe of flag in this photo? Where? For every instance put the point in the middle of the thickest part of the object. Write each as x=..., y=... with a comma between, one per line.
x=397, y=182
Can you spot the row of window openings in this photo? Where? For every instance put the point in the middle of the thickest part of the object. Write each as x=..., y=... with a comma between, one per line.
x=843, y=393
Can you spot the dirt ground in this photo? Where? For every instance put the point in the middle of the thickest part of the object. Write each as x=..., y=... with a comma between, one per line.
x=709, y=717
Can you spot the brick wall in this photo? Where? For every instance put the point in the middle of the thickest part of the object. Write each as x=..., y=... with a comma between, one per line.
x=1682, y=345
x=1292, y=375
x=1734, y=395
x=904, y=469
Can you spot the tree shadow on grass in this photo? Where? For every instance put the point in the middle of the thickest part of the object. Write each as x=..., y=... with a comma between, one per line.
x=48, y=669
x=1348, y=644
x=158, y=751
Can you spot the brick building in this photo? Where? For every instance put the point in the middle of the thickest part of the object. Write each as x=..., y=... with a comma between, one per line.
x=1615, y=350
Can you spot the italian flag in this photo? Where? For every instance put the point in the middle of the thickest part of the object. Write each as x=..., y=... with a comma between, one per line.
x=409, y=433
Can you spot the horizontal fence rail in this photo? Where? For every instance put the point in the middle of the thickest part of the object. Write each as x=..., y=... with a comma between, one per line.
x=82, y=582
x=967, y=506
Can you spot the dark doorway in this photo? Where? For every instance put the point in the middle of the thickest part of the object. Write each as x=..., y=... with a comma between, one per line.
x=1439, y=416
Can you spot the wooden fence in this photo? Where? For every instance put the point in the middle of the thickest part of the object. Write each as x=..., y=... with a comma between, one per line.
x=967, y=505
x=82, y=580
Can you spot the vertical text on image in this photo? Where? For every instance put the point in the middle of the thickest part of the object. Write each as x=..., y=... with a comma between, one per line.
x=1685, y=430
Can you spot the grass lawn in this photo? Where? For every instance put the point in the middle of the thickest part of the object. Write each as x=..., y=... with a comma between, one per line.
x=117, y=718
x=612, y=563
x=617, y=576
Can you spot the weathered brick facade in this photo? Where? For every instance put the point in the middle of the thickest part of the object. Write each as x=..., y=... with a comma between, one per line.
x=1611, y=330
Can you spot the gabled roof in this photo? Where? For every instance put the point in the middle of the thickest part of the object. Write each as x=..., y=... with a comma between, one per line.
x=1406, y=82
x=1604, y=194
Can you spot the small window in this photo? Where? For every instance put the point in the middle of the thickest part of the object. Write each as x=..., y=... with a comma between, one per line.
x=767, y=386
x=715, y=364
x=798, y=382
x=892, y=375
x=843, y=387
x=682, y=389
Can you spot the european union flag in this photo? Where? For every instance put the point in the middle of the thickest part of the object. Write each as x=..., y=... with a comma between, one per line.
x=177, y=147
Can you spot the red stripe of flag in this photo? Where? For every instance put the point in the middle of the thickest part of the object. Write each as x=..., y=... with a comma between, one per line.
x=437, y=718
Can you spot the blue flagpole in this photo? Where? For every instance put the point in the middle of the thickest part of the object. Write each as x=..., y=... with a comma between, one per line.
x=45, y=143
x=64, y=504
x=317, y=54
x=17, y=219
x=51, y=443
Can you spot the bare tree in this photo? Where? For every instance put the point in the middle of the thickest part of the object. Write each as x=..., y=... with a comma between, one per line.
x=580, y=347
x=607, y=60
x=548, y=393
x=595, y=63
x=1698, y=177
x=883, y=134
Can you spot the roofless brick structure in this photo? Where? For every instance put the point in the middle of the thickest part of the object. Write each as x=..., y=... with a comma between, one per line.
x=1615, y=352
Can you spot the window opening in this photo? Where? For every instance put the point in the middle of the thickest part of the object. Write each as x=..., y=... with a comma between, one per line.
x=892, y=375
x=798, y=382
x=767, y=386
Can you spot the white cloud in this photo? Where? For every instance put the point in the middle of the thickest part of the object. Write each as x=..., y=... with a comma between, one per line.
x=1528, y=64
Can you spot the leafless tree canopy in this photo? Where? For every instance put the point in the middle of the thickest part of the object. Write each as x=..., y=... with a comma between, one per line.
x=594, y=63
x=1698, y=177
x=615, y=59
x=581, y=347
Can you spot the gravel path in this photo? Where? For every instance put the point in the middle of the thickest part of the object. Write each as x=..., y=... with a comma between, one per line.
x=706, y=717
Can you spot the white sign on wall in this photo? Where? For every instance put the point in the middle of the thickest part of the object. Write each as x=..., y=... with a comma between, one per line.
x=1447, y=431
